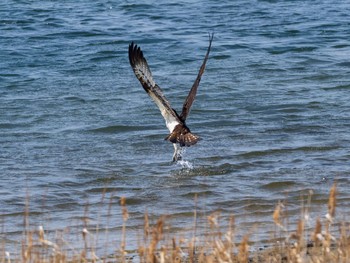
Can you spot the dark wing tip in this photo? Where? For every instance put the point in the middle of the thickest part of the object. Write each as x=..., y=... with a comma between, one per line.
x=135, y=54
x=211, y=36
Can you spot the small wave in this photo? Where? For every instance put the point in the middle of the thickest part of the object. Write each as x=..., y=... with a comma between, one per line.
x=117, y=128
x=74, y=98
x=338, y=87
x=306, y=148
x=277, y=185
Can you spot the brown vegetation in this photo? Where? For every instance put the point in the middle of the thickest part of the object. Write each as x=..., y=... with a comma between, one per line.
x=328, y=241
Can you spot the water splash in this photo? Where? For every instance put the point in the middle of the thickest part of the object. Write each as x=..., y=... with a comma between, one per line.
x=185, y=164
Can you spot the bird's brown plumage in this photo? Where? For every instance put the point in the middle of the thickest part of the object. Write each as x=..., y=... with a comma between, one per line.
x=179, y=132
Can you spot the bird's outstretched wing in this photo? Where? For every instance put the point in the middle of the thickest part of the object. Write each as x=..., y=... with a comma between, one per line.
x=144, y=75
x=192, y=94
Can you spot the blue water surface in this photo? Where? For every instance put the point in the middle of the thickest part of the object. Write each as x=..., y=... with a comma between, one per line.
x=77, y=131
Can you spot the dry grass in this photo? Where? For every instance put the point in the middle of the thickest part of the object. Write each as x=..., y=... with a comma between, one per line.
x=325, y=242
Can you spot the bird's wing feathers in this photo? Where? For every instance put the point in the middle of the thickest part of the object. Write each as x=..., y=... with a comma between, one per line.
x=144, y=75
x=192, y=94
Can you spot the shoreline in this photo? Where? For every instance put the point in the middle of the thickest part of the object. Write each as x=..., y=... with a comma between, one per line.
x=327, y=240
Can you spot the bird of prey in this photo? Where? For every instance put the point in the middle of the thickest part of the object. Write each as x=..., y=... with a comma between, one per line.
x=180, y=135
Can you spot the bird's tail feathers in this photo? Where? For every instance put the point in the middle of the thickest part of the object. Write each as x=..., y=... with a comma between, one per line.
x=186, y=139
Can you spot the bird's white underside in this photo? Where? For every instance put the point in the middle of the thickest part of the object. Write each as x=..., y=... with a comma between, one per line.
x=170, y=120
x=170, y=123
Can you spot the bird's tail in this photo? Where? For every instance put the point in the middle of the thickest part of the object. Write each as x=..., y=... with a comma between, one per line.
x=186, y=139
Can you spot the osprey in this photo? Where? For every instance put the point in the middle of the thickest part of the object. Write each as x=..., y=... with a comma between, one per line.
x=180, y=135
